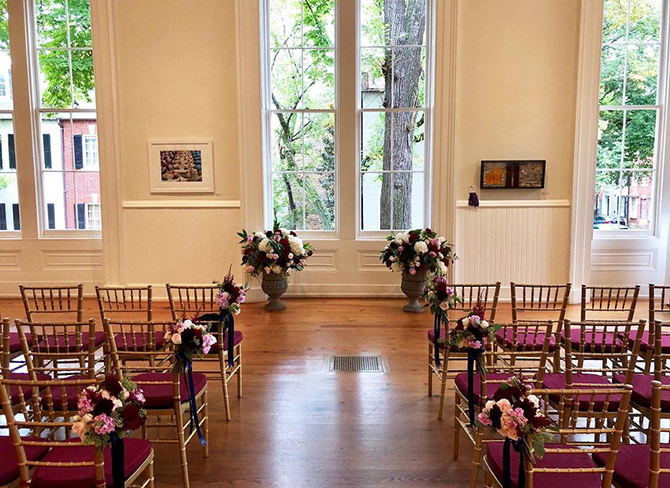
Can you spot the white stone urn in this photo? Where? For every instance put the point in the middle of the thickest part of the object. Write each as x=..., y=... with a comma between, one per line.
x=412, y=286
x=274, y=286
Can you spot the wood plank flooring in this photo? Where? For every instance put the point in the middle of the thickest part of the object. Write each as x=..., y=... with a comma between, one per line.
x=299, y=425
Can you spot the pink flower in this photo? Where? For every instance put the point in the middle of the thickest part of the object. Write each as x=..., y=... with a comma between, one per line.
x=484, y=419
x=222, y=299
x=511, y=422
x=250, y=269
x=208, y=340
x=103, y=424
x=412, y=271
x=504, y=405
x=449, y=291
x=432, y=254
x=84, y=405
x=250, y=239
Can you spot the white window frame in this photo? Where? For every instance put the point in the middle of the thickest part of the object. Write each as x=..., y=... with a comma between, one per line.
x=3, y=86
x=90, y=156
x=38, y=110
x=93, y=222
x=659, y=137
x=428, y=109
x=268, y=111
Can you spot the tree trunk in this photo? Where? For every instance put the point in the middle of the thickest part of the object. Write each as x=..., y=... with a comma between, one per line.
x=406, y=21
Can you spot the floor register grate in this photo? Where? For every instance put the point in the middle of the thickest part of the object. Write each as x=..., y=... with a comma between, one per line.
x=368, y=364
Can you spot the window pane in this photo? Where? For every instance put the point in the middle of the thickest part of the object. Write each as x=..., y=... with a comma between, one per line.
x=614, y=21
x=405, y=22
x=288, y=199
x=320, y=201
x=645, y=20
x=373, y=27
x=286, y=79
x=408, y=77
x=55, y=187
x=408, y=198
x=372, y=151
x=612, y=66
x=407, y=139
x=610, y=134
x=79, y=18
x=319, y=142
x=607, y=197
x=636, y=191
x=51, y=18
x=286, y=141
x=319, y=28
x=319, y=78
x=9, y=190
x=374, y=64
x=83, y=81
x=55, y=78
x=640, y=139
x=285, y=23
x=6, y=92
x=371, y=190
x=642, y=75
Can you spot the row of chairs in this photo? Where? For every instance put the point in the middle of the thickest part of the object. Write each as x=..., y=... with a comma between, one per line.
x=598, y=365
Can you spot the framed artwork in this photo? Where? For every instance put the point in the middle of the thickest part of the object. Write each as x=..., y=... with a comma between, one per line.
x=512, y=174
x=181, y=167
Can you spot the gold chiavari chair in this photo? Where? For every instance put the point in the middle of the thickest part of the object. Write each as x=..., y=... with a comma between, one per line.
x=645, y=465
x=524, y=359
x=10, y=346
x=125, y=302
x=484, y=294
x=609, y=303
x=659, y=309
x=165, y=390
x=568, y=461
x=52, y=302
x=45, y=459
x=543, y=302
x=190, y=301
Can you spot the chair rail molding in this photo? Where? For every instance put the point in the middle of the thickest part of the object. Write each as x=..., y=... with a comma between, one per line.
x=586, y=138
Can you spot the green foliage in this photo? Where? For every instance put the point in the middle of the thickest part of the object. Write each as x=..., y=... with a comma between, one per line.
x=4, y=182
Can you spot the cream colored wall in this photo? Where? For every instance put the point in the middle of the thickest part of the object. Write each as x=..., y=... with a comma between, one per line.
x=516, y=85
x=176, y=81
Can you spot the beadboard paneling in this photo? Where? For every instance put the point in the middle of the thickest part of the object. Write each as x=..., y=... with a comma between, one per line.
x=526, y=241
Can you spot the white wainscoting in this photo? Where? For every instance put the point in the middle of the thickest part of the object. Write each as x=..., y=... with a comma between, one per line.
x=525, y=241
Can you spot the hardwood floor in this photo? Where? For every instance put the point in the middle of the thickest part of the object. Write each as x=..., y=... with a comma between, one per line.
x=299, y=425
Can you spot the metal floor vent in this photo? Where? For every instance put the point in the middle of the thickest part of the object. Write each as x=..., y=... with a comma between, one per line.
x=357, y=363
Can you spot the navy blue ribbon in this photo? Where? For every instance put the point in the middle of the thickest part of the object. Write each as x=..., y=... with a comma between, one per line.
x=473, y=355
x=187, y=369
x=507, y=461
x=436, y=338
x=227, y=318
x=118, y=463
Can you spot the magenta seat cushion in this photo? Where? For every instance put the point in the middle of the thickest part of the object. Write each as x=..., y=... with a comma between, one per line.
x=632, y=465
x=494, y=455
x=15, y=342
x=72, y=393
x=160, y=396
x=529, y=342
x=557, y=381
x=603, y=342
x=71, y=344
x=9, y=468
x=443, y=335
x=642, y=390
x=645, y=346
x=137, y=343
x=461, y=382
x=237, y=338
x=136, y=452
x=27, y=390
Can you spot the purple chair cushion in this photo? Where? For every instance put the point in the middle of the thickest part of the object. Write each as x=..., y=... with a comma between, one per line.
x=127, y=342
x=27, y=390
x=136, y=451
x=71, y=392
x=529, y=342
x=557, y=381
x=642, y=390
x=237, y=338
x=15, y=342
x=461, y=382
x=646, y=346
x=160, y=396
x=603, y=342
x=632, y=465
x=71, y=343
x=494, y=455
x=9, y=468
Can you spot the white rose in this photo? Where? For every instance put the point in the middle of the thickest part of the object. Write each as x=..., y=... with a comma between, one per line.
x=484, y=324
x=176, y=339
x=265, y=246
x=440, y=255
x=290, y=255
x=534, y=400
x=466, y=322
x=421, y=247
x=187, y=323
x=295, y=244
x=442, y=267
x=442, y=240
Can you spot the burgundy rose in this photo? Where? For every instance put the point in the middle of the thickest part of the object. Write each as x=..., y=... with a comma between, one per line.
x=131, y=417
x=112, y=385
x=495, y=414
x=105, y=406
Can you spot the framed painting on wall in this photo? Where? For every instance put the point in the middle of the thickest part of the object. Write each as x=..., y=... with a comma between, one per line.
x=512, y=174
x=181, y=167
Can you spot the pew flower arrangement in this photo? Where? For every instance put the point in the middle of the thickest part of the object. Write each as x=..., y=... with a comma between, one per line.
x=417, y=251
x=190, y=339
x=231, y=295
x=473, y=331
x=112, y=408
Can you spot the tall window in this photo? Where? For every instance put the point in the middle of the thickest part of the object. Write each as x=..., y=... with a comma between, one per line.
x=629, y=112
x=9, y=190
x=301, y=107
x=69, y=167
x=392, y=112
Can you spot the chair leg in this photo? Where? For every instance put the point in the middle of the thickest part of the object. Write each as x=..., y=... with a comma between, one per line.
x=488, y=479
x=205, y=402
x=224, y=382
x=179, y=416
x=457, y=427
x=430, y=369
x=239, y=370
x=477, y=457
x=443, y=388
x=149, y=473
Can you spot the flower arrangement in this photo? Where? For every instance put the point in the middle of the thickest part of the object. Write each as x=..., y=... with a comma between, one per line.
x=190, y=339
x=473, y=331
x=231, y=295
x=516, y=414
x=111, y=408
x=273, y=251
x=417, y=251
x=439, y=296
